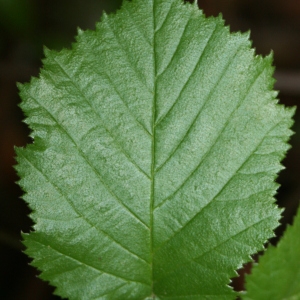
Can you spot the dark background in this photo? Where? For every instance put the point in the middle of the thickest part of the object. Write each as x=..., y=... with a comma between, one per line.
x=27, y=25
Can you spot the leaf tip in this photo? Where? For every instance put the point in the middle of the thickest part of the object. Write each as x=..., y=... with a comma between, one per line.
x=195, y=3
x=79, y=31
x=46, y=51
x=104, y=16
x=19, y=85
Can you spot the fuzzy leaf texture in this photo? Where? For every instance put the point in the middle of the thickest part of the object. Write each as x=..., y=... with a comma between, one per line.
x=157, y=139
x=277, y=276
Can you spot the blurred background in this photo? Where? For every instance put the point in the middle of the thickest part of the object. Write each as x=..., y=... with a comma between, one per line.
x=27, y=25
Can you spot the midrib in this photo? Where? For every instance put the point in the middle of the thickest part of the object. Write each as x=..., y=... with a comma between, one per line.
x=153, y=151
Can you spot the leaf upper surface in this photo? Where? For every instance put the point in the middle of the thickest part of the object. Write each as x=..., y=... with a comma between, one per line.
x=277, y=276
x=157, y=139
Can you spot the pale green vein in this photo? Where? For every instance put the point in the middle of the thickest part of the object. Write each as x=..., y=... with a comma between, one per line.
x=156, y=30
x=178, y=47
x=88, y=265
x=195, y=295
x=131, y=63
x=109, y=292
x=132, y=20
x=219, y=135
x=248, y=197
x=65, y=271
x=231, y=177
x=105, y=74
x=188, y=79
x=231, y=238
x=194, y=259
x=205, y=103
x=153, y=151
x=90, y=164
x=102, y=123
x=80, y=214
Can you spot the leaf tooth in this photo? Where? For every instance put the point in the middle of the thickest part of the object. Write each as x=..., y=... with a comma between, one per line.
x=79, y=31
x=47, y=51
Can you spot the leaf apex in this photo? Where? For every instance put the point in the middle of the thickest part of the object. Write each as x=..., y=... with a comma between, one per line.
x=47, y=51
x=79, y=31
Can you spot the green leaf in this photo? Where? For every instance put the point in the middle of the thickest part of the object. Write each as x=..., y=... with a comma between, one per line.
x=277, y=276
x=157, y=140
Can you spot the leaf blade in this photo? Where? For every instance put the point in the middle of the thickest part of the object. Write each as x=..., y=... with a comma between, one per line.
x=277, y=274
x=155, y=130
